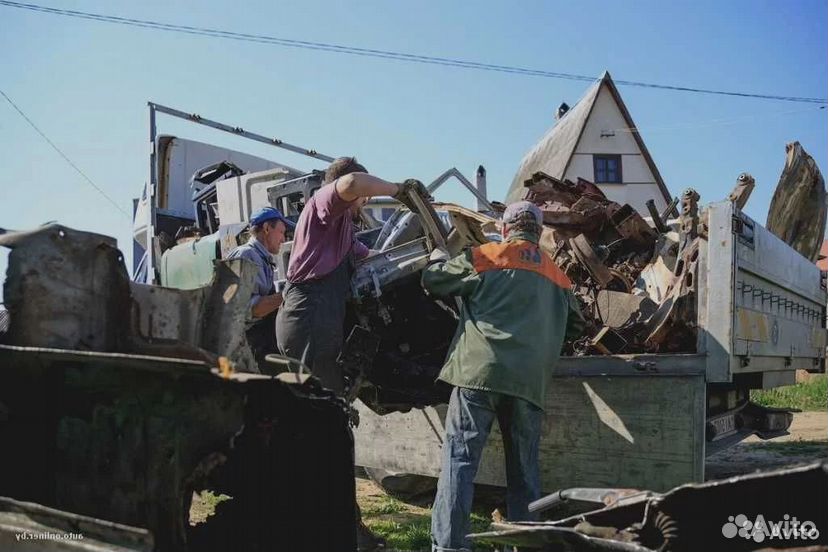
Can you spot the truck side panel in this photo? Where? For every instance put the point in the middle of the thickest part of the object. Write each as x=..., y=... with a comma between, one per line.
x=640, y=431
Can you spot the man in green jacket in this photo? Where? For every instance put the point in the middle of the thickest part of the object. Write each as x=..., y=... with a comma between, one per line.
x=517, y=309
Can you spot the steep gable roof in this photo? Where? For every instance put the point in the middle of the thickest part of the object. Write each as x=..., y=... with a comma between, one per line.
x=553, y=152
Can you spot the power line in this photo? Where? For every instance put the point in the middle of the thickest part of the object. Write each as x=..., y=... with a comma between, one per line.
x=65, y=157
x=707, y=123
x=383, y=54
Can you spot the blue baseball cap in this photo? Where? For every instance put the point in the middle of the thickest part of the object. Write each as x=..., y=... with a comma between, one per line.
x=269, y=213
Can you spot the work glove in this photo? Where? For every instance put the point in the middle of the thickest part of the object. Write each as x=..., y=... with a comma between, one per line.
x=403, y=194
x=439, y=255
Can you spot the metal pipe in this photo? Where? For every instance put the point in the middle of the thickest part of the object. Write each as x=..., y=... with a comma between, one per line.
x=654, y=214
x=238, y=131
x=481, y=199
x=481, y=187
x=665, y=215
x=152, y=189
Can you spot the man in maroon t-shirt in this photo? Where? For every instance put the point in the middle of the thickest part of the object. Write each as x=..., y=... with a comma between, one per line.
x=309, y=326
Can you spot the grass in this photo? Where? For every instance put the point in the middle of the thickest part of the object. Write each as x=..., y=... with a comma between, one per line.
x=807, y=395
x=412, y=532
x=816, y=449
x=204, y=505
x=384, y=506
x=405, y=527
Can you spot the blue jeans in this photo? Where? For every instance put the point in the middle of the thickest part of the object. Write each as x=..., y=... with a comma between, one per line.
x=468, y=423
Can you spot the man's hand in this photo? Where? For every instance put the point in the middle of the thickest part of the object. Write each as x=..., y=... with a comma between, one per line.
x=266, y=305
x=404, y=190
x=439, y=255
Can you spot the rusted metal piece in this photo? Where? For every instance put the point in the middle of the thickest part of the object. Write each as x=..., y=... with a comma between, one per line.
x=670, y=210
x=78, y=278
x=656, y=217
x=629, y=225
x=617, y=309
x=608, y=342
x=689, y=216
x=435, y=232
x=672, y=327
x=741, y=192
x=69, y=289
x=586, y=255
x=798, y=209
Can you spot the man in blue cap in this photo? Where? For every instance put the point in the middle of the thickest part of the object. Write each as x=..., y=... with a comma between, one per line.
x=267, y=234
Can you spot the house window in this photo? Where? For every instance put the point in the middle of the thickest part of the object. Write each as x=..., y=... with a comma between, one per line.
x=607, y=169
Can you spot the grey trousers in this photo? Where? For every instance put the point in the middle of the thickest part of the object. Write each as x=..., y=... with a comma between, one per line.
x=309, y=326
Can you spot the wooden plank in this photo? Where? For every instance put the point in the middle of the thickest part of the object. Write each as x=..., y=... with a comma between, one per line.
x=601, y=431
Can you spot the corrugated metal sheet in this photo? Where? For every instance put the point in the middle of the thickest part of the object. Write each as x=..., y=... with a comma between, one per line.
x=4, y=320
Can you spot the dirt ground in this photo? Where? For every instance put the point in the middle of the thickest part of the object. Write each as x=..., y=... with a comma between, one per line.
x=807, y=442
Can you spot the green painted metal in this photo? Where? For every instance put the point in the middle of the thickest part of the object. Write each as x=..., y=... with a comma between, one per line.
x=189, y=265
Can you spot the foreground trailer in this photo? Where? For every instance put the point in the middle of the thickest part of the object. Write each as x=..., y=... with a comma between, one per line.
x=120, y=400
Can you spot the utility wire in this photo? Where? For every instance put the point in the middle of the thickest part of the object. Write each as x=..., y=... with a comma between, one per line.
x=384, y=54
x=65, y=157
x=707, y=123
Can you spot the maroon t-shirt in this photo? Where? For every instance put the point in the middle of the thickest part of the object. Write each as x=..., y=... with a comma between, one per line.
x=324, y=236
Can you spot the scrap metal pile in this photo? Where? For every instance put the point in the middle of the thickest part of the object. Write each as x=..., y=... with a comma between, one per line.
x=635, y=280
x=763, y=511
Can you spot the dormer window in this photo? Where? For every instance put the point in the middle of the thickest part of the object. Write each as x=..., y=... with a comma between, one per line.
x=607, y=169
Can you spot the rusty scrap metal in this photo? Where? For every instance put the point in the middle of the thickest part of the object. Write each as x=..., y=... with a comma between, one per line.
x=798, y=209
x=605, y=247
x=586, y=255
x=656, y=217
x=69, y=289
x=741, y=192
x=672, y=328
x=671, y=208
x=646, y=521
x=617, y=309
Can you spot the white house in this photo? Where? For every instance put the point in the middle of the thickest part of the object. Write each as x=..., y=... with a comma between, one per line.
x=597, y=140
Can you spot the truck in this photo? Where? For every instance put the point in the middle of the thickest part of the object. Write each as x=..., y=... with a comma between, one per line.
x=720, y=306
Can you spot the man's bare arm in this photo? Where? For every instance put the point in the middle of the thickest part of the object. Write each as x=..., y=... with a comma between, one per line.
x=266, y=304
x=356, y=185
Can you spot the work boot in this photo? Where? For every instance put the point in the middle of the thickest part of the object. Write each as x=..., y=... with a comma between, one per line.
x=366, y=540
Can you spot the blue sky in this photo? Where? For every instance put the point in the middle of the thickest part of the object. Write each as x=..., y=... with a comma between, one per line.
x=86, y=85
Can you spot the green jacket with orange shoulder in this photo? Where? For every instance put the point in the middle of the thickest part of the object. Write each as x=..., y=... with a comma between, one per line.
x=517, y=309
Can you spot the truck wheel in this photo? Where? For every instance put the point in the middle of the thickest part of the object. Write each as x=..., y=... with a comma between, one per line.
x=403, y=486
